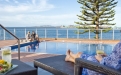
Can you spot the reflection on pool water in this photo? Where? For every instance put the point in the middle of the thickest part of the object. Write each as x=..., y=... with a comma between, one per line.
x=62, y=47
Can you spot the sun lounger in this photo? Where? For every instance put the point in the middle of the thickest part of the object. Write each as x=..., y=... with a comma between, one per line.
x=82, y=63
x=57, y=66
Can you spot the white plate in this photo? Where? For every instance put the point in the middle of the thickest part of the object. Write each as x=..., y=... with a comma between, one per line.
x=14, y=66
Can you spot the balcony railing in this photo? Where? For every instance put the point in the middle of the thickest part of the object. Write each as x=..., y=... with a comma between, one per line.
x=4, y=29
x=114, y=34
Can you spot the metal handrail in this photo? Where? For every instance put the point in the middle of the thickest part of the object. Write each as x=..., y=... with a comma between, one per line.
x=15, y=37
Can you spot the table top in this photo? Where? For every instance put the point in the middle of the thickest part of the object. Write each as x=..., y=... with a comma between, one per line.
x=22, y=69
x=56, y=65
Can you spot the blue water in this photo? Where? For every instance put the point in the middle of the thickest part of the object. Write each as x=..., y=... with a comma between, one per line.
x=51, y=33
x=62, y=47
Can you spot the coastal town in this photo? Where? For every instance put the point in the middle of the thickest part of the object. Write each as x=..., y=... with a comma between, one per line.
x=75, y=26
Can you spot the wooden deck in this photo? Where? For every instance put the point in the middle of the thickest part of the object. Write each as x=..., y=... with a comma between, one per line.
x=94, y=41
x=29, y=57
x=7, y=42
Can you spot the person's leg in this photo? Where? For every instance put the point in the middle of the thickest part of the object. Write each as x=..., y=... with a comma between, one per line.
x=77, y=55
x=70, y=56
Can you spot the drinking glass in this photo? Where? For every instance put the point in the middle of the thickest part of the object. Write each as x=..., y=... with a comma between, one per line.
x=6, y=54
x=99, y=50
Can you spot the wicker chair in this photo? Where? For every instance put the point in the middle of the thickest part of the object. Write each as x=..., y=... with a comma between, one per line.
x=82, y=63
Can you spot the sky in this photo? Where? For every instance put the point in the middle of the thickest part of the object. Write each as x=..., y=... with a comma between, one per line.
x=24, y=13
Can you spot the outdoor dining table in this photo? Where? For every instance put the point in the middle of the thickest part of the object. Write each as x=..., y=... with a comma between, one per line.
x=55, y=65
x=22, y=69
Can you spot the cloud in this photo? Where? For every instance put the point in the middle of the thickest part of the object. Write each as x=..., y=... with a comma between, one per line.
x=15, y=1
x=33, y=6
x=14, y=9
x=117, y=14
x=18, y=12
x=117, y=20
x=37, y=20
x=7, y=0
x=33, y=1
x=25, y=13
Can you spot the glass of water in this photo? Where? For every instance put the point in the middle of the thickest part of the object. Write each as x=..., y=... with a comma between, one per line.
x=6, y=54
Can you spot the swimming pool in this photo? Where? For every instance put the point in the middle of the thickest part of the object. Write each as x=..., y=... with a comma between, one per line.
x=62, y=47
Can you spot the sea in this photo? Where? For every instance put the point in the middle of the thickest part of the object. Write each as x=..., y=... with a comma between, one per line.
x=56, y=32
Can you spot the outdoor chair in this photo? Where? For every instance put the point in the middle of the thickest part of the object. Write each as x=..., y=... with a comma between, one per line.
x=58, y=66
x=83, y=63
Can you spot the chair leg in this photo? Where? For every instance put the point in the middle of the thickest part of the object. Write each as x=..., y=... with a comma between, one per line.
x=36, y=66
x=77, y=70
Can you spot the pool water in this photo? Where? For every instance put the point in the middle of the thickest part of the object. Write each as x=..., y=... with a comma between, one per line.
x=62, y=47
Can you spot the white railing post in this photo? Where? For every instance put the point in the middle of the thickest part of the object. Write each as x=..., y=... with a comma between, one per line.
x=66, y=46
x=101, y=34
x=67, y=33
x=36, y=30
x=25, y=32
x=45, y=33
x=89, y=48
x=4, y=34
x=45, y=46
x=14, y=31
x=78, y=34
x=56, y=46
x=113, y=33
x=112, y=47
x=56, y=33
x=77, y=47
x=89, y=33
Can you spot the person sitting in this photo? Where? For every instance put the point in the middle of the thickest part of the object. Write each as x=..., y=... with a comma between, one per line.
x=112, y=60
x=33, y=36
x=37, y=37
x=28, y=36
